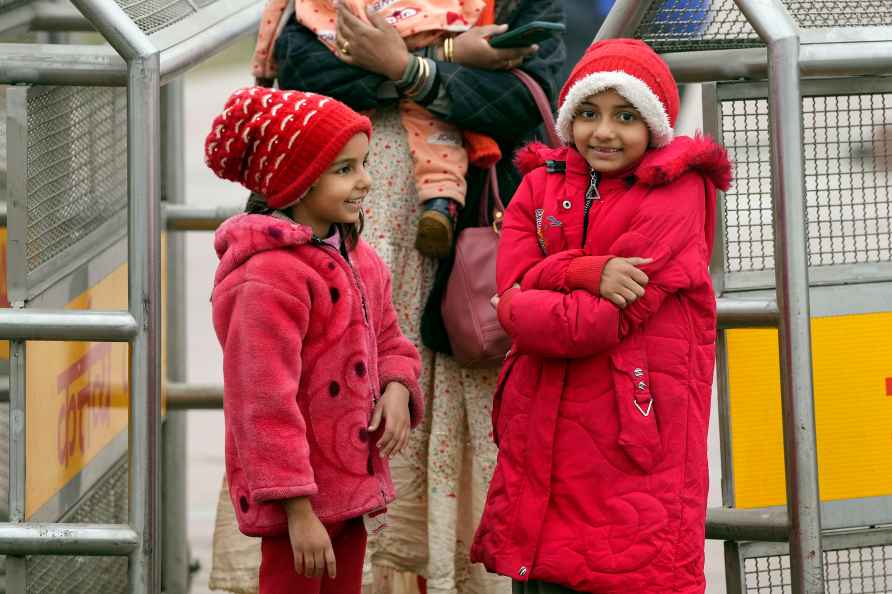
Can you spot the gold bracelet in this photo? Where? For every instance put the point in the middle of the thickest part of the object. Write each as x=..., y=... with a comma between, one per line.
x=449, y=49
x=423, y=73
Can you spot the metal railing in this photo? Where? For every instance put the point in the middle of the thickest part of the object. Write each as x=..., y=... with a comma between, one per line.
x=142, y=57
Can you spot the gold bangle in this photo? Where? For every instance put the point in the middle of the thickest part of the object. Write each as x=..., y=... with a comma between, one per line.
x=423, y=73
x=449, y=49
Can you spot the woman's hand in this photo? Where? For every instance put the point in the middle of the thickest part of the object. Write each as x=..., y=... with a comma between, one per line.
x=376, y=47
x=472, y=49
x=393, y=407
x=310, y=543
x=622, y=282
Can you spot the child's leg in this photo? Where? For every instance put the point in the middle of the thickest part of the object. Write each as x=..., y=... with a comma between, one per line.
x=534, y=587
x=277, y=575
x=441, y=161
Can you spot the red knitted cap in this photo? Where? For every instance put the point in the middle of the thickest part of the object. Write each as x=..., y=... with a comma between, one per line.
x=636, y=72
x=278, y=143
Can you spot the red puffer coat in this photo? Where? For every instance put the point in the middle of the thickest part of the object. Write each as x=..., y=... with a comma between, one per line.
x=309, y=340
x=601, y=414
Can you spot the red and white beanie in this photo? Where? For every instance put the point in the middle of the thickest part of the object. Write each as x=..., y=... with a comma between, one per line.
x=278, y=143
x=633, y=70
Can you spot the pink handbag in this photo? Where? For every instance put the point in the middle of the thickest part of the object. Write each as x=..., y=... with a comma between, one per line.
x=476, y=337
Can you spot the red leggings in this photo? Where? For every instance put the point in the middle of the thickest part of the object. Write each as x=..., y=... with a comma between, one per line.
x=277, y=575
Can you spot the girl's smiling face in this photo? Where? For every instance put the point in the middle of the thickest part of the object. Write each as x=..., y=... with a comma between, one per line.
x=337, y=195
x=609, y=132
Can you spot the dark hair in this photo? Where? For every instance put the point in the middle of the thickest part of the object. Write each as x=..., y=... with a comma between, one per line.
x=257, y=205
x=349, y=232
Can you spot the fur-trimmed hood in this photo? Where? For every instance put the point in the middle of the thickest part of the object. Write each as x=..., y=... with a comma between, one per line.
x=658, y=167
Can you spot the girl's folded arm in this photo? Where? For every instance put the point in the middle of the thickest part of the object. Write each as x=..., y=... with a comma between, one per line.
x=262, y=370
x=669, y=228
x=562, y=325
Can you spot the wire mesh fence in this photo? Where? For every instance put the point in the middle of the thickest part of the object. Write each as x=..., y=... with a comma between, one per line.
x=106, y=503
x=153, y=15
x=695, y=25
x=76, y=166
x=846, y=175
x=858, y=570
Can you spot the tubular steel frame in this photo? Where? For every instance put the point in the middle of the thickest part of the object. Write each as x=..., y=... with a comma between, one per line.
x=142, y=63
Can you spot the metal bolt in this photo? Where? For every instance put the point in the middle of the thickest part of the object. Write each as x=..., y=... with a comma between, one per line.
x=638, y=372
x=642, y=386
x=522, y=571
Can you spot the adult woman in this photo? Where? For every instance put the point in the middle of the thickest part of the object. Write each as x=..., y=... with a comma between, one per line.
x=442, y=477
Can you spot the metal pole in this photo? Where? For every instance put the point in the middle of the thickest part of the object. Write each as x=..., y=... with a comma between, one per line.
x=177, y=59
x=623, y=19
x=746, y=313
x=175, y=547
x=144, y=261
x=747, y=524
x=181, y=217
x=63, y=324
x=144, y=282
x=46, y=64
x=776, y=27
x=66, y=539
x=16, y=570
x=182, y=396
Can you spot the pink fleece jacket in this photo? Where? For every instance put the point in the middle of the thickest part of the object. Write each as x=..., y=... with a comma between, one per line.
x=310, y=340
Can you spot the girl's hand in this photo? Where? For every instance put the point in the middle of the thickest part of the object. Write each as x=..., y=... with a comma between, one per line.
x=393, y=406
x=310, y=543
x=494, y=300
x=472, y=49
x=622, y=282
x=376, y=47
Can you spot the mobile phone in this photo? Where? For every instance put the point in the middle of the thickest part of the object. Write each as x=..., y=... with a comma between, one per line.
x=527, y=34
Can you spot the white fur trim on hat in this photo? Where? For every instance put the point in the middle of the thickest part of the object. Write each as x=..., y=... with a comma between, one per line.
x=633, y=89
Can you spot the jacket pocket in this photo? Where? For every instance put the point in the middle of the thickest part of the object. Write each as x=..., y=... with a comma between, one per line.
x=639, y=430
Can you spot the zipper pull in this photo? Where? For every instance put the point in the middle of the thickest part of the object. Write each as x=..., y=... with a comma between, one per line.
x=592, y=193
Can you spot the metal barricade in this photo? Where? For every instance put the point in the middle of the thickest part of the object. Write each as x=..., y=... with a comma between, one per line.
x=808, y=220
x=84, y=179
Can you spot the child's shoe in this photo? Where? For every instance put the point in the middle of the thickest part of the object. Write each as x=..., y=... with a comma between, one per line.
x=436, y=227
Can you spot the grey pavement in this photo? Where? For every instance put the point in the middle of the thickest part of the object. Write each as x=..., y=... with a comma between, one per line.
x=206, y=90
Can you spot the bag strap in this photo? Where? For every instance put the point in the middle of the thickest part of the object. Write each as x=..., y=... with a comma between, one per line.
x=543, y=104
x=491, y=184
x=491, y=190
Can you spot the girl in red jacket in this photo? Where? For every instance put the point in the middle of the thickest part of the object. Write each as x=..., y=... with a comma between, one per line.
x=603, y=403
x=320, y=385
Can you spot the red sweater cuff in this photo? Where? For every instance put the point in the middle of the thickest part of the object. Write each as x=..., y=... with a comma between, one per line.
x=585, y=273
x=504, y=308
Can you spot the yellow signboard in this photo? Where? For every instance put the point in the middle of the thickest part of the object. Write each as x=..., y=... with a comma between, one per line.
x=852, y=361
x=77, y=398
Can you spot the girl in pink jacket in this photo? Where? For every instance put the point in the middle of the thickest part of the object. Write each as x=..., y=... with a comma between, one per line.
x=602, y=407
x=320, y=385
